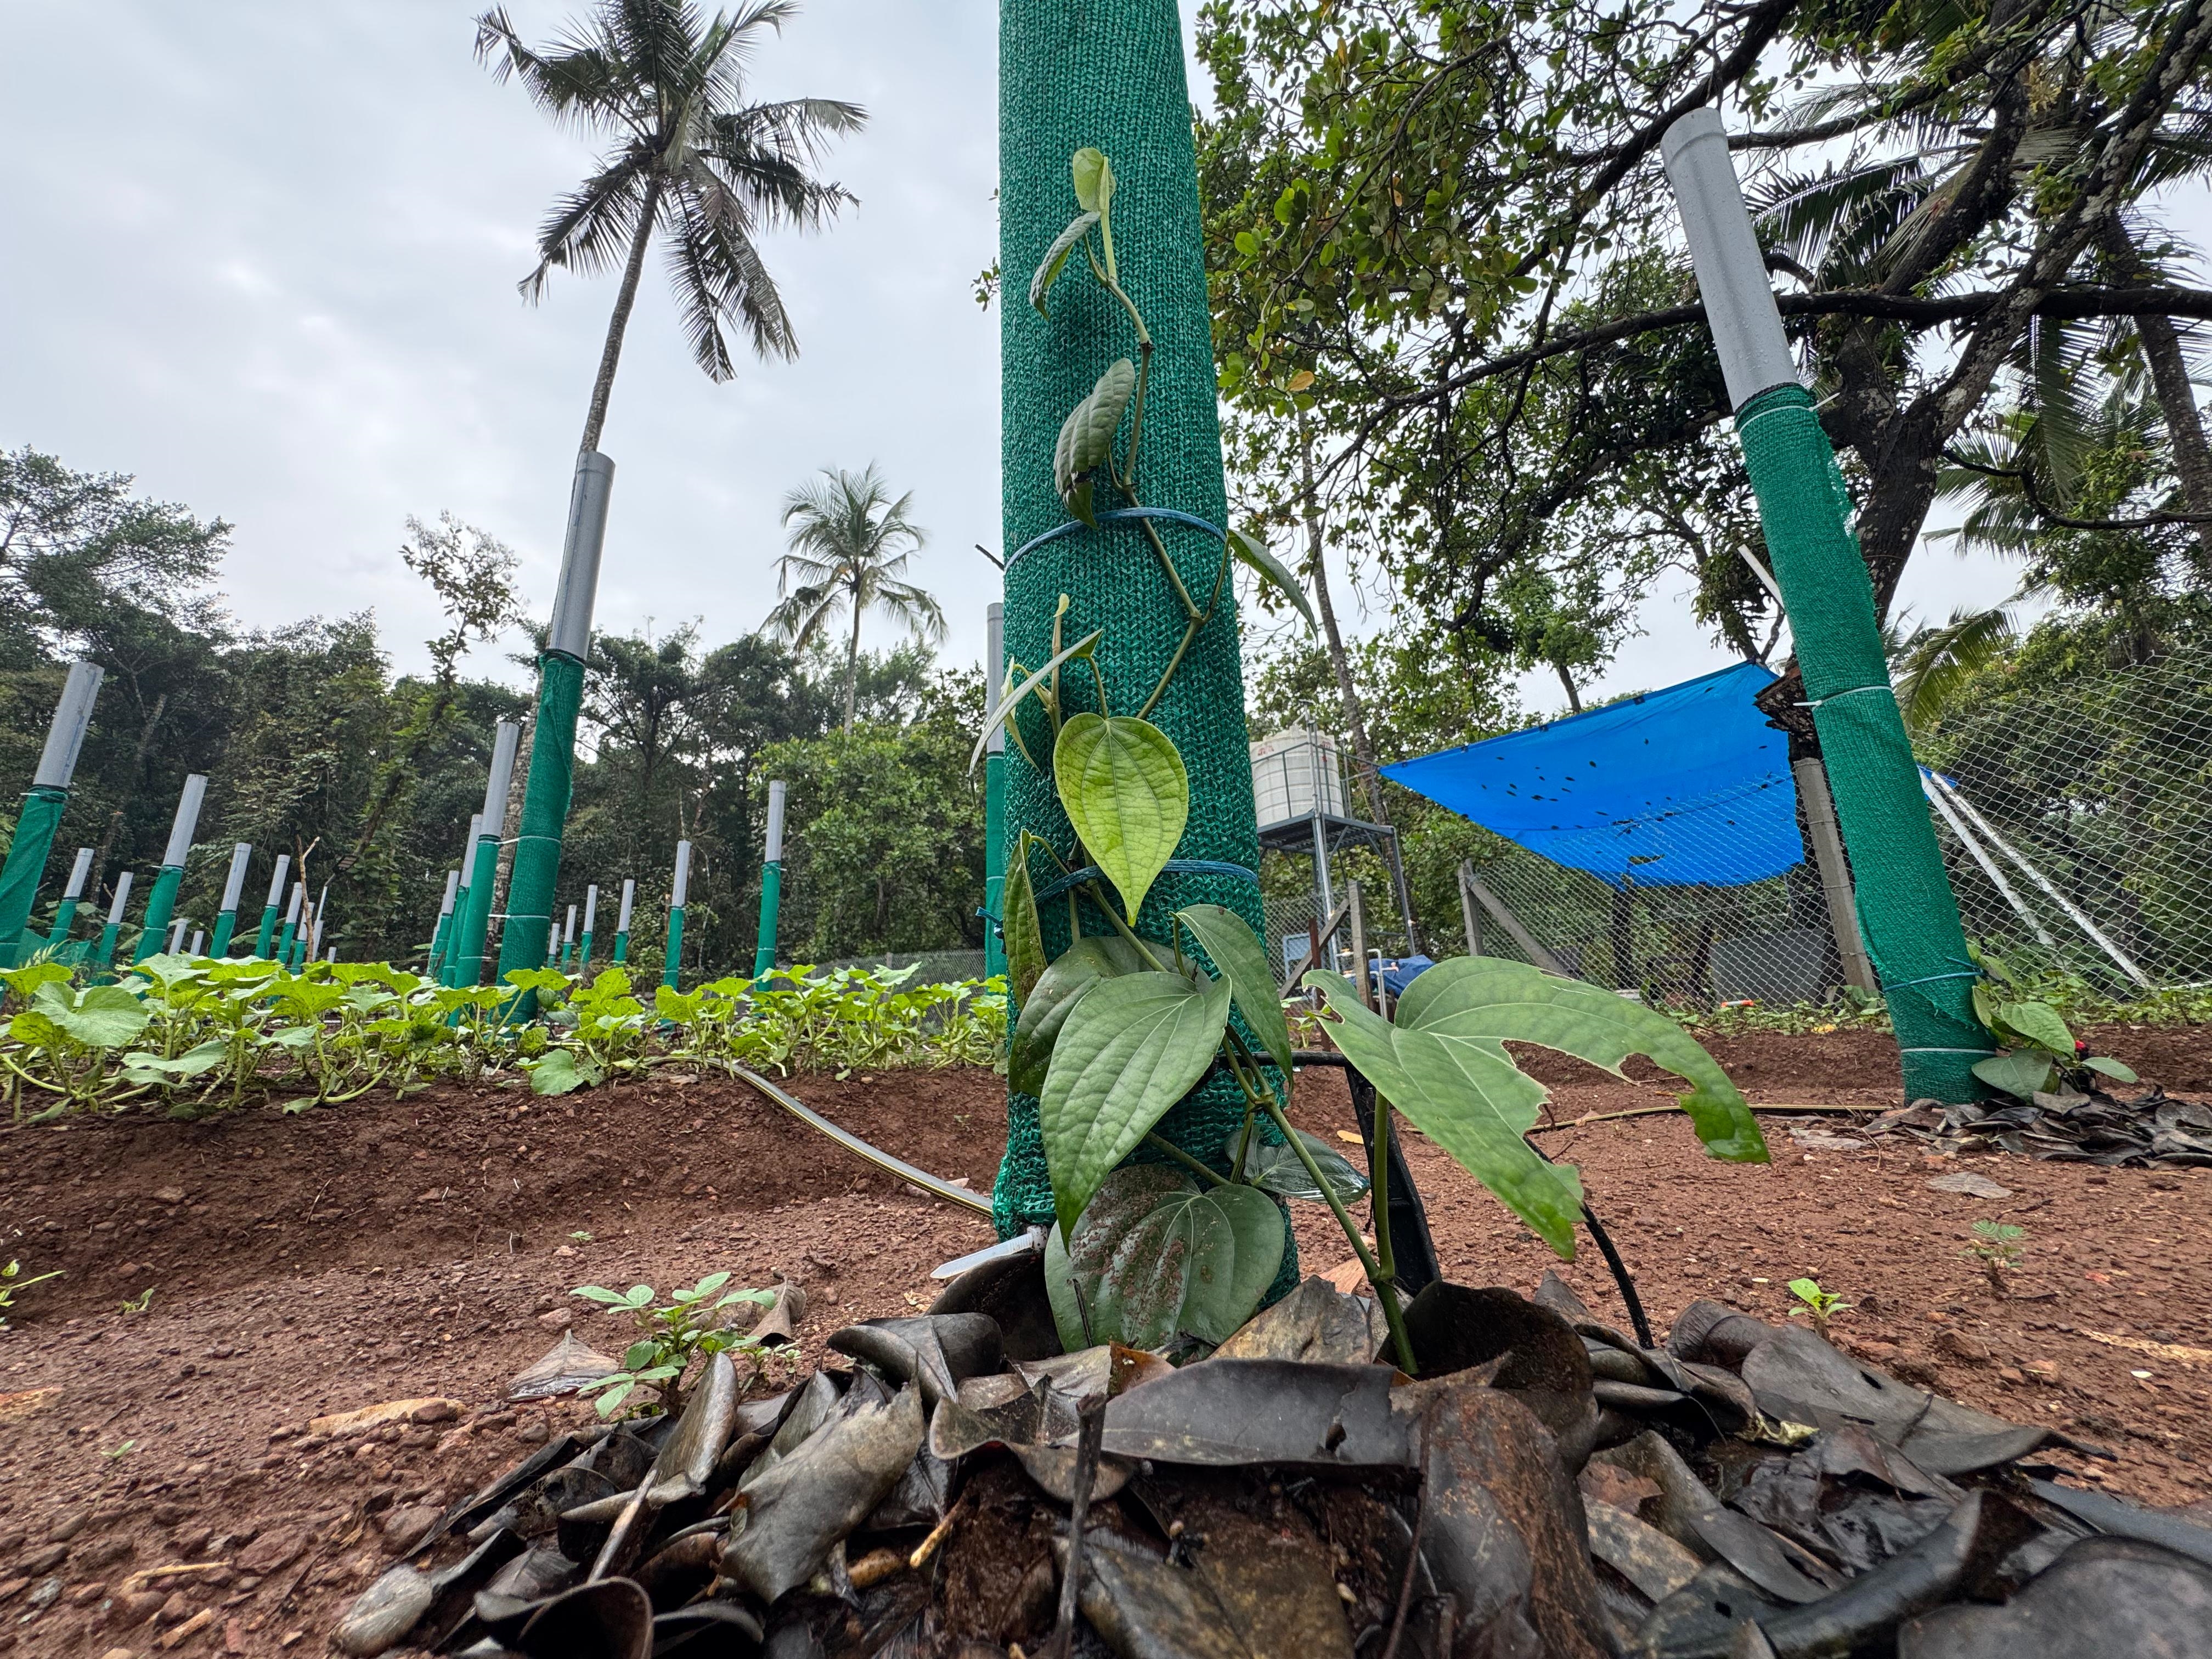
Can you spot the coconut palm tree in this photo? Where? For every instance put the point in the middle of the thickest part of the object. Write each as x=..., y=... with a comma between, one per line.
x=690, y=158
x=849, y=543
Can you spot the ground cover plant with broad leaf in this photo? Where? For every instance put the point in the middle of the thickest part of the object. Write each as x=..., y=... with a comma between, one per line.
x=1116, y=1029
x=2040, y=1051
x=193, y=1037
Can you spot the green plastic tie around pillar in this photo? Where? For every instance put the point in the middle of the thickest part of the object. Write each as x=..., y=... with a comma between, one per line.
x=622, y=948
x=65, y=920
x=1907, y=911
x=103, y=959
x=19, y=877
x=226, y=924
x=160, y=905
x=584, y=954
x=672, y=963
x=771, y=897
x=1112, y=77
x=270, y=914
x=545, y=813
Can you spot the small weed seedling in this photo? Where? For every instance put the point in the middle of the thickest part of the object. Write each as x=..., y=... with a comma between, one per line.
x=581, y=1238
x=12, y=1281
x=1821, y=1305
x=670, y=1337
x=1997, y=1246
x=117, y=1454
x=139, y=1303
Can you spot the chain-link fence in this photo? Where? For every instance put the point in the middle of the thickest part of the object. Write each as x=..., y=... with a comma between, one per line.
x=2075, y=819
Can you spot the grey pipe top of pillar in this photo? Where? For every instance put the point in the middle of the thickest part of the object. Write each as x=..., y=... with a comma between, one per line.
x=1732, y=276
x=502, y=773
x=571, y=632
x=590, y=907
x=177, y=934
x=122, y=898
x=453, y=888
x=629, y=898
x=187, y=821
x=277, y=876
x=568, y=933
x=683, y=885
x=995, y=670
x=292, y=910
x=78, y=871
x=241, y=853
x=72, y=715
x=200, y=938
x=776, y=822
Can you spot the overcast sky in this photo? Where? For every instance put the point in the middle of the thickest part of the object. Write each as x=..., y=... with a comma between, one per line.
x=264, y=257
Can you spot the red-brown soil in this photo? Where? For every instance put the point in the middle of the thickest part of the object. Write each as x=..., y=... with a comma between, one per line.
x=389, y=1249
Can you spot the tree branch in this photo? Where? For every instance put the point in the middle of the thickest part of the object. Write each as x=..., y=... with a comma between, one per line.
x=2062, y=303
x=2052, y=515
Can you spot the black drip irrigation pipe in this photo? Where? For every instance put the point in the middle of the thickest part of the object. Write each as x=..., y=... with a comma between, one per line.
x=1416, y=1222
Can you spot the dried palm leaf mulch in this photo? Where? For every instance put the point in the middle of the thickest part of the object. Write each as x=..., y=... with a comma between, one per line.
x=1548, y=1488
x=2151, y=1131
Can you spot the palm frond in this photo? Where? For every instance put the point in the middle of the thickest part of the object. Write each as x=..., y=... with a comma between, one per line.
x=589, y=231
x=1932, y=664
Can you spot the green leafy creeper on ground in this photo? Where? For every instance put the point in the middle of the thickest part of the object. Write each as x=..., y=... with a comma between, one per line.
x=1997, y=1248
x=671, y=1336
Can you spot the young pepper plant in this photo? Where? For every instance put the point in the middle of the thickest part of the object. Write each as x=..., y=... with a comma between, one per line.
x=1118, y=1029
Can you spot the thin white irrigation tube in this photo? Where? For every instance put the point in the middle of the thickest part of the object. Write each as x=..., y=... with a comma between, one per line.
x=2073, y=911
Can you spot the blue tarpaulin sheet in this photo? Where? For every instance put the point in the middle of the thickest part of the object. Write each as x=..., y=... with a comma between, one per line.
x=1688, y=786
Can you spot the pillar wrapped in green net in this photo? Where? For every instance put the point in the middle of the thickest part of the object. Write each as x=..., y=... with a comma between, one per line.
x=1111, y=77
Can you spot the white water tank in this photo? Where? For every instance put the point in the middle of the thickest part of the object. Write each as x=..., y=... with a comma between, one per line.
x=1295, y=773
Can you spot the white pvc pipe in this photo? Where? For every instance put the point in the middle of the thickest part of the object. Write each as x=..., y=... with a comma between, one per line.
x=452, y=889
x=571, y=630
x=122, y=898
x=187, y=823
x=233, y=887
x=78, y=871
x=276, y=879
x=552, y=940
x=177, y=934
x=629, y=898
x=494, y=815
x=590, y=907
x=776, y=822
x=568, y=936
x=683, y=885
x=292, y=910
x=200, y=938
x=72, y=718
x=994, y=671
x=2074, y=911
x=1739, y=309
x=1989, y=865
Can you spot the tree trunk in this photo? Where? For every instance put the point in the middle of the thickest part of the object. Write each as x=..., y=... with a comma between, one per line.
x=603, y=387
x=1567, y=680
x=1347, y=693
x=853, y=664
x=129, y=789
x=2176, y=397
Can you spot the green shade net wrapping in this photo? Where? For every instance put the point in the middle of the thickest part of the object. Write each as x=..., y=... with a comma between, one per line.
x=1112, y=77
x=1907, y=912
x=544, y=814
x=35, y=824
